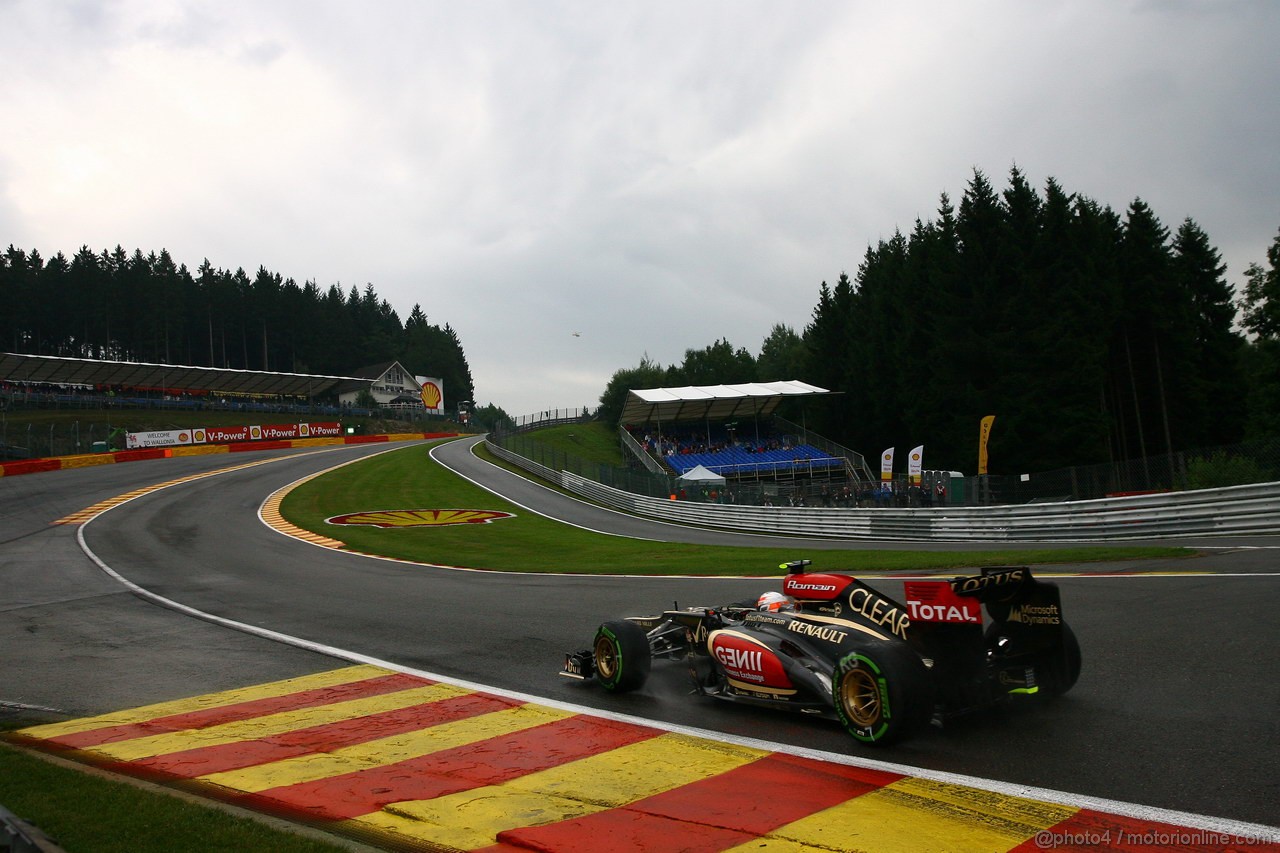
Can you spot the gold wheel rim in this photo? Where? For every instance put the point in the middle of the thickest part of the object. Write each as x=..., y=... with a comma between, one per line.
x=860, y=696
x=606, y=658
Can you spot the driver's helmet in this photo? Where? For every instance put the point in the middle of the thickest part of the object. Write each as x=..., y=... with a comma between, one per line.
x=774, y=602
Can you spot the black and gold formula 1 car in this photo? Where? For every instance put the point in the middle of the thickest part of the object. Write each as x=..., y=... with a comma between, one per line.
x=841, y=650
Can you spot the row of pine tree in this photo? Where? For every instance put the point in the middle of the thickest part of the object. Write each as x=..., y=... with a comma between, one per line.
x=1091, y=336
x=116, y=306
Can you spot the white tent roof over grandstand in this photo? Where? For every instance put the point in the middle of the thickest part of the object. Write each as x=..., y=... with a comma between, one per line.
x=711, y=402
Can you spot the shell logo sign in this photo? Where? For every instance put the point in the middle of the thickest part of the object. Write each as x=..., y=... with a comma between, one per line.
x=432, y=396
x=418, y=517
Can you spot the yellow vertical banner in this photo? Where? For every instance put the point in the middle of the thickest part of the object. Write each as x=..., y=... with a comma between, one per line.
x=886, y=464
x=984, y=432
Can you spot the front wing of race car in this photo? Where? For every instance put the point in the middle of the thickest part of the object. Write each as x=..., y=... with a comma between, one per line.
x=580, y=665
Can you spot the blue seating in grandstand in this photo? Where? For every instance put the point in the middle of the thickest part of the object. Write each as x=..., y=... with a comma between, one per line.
x=734, y=461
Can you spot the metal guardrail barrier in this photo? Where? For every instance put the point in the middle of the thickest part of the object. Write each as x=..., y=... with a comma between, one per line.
x=1233, y=510
x=18, y=836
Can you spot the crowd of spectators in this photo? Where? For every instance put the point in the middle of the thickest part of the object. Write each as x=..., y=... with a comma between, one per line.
x=685, y=441
x=723, y=450
x=898, y=494
x=829, y=494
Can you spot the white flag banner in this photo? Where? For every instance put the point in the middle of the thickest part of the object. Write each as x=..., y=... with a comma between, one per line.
x=914, y=463
x=886, y=464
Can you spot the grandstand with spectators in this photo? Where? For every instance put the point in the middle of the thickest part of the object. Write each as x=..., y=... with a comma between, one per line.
x=733, y=431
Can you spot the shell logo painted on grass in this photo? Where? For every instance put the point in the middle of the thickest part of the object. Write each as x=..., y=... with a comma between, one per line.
x=418, y=517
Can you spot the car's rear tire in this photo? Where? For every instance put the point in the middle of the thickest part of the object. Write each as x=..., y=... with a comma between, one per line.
x=622, y=659
x=882, y=693
x=1065, y=672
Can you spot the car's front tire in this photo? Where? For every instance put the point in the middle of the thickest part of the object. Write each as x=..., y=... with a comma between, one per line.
x=622, y=659
x=882, y=693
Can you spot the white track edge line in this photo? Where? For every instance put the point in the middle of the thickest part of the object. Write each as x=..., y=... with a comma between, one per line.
x=1226, y=826
x=1237, y=829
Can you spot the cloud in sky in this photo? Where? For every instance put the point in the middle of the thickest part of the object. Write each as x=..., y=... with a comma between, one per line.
x=654, y=176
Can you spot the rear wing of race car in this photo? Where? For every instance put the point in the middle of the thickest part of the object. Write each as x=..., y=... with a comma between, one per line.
x=1013, y=596
x=947, y=615
x=1010, y=594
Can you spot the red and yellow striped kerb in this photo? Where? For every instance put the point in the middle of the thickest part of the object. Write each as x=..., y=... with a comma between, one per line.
x=370, y=752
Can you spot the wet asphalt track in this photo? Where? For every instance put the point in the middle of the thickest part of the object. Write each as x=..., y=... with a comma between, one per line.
x=1177, y=706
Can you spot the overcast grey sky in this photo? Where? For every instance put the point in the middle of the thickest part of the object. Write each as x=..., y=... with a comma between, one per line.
x=652, y=176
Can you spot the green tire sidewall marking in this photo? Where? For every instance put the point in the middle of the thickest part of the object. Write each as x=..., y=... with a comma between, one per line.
x=617, y=653
x=865, y=734
x=868, y=661
x=884, y=698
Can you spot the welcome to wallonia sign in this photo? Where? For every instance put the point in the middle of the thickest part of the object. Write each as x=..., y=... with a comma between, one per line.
x=228, y=435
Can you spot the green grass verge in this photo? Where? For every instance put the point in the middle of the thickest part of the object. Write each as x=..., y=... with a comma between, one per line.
x=82, y=811
x=592, y=441
x=408, y=479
